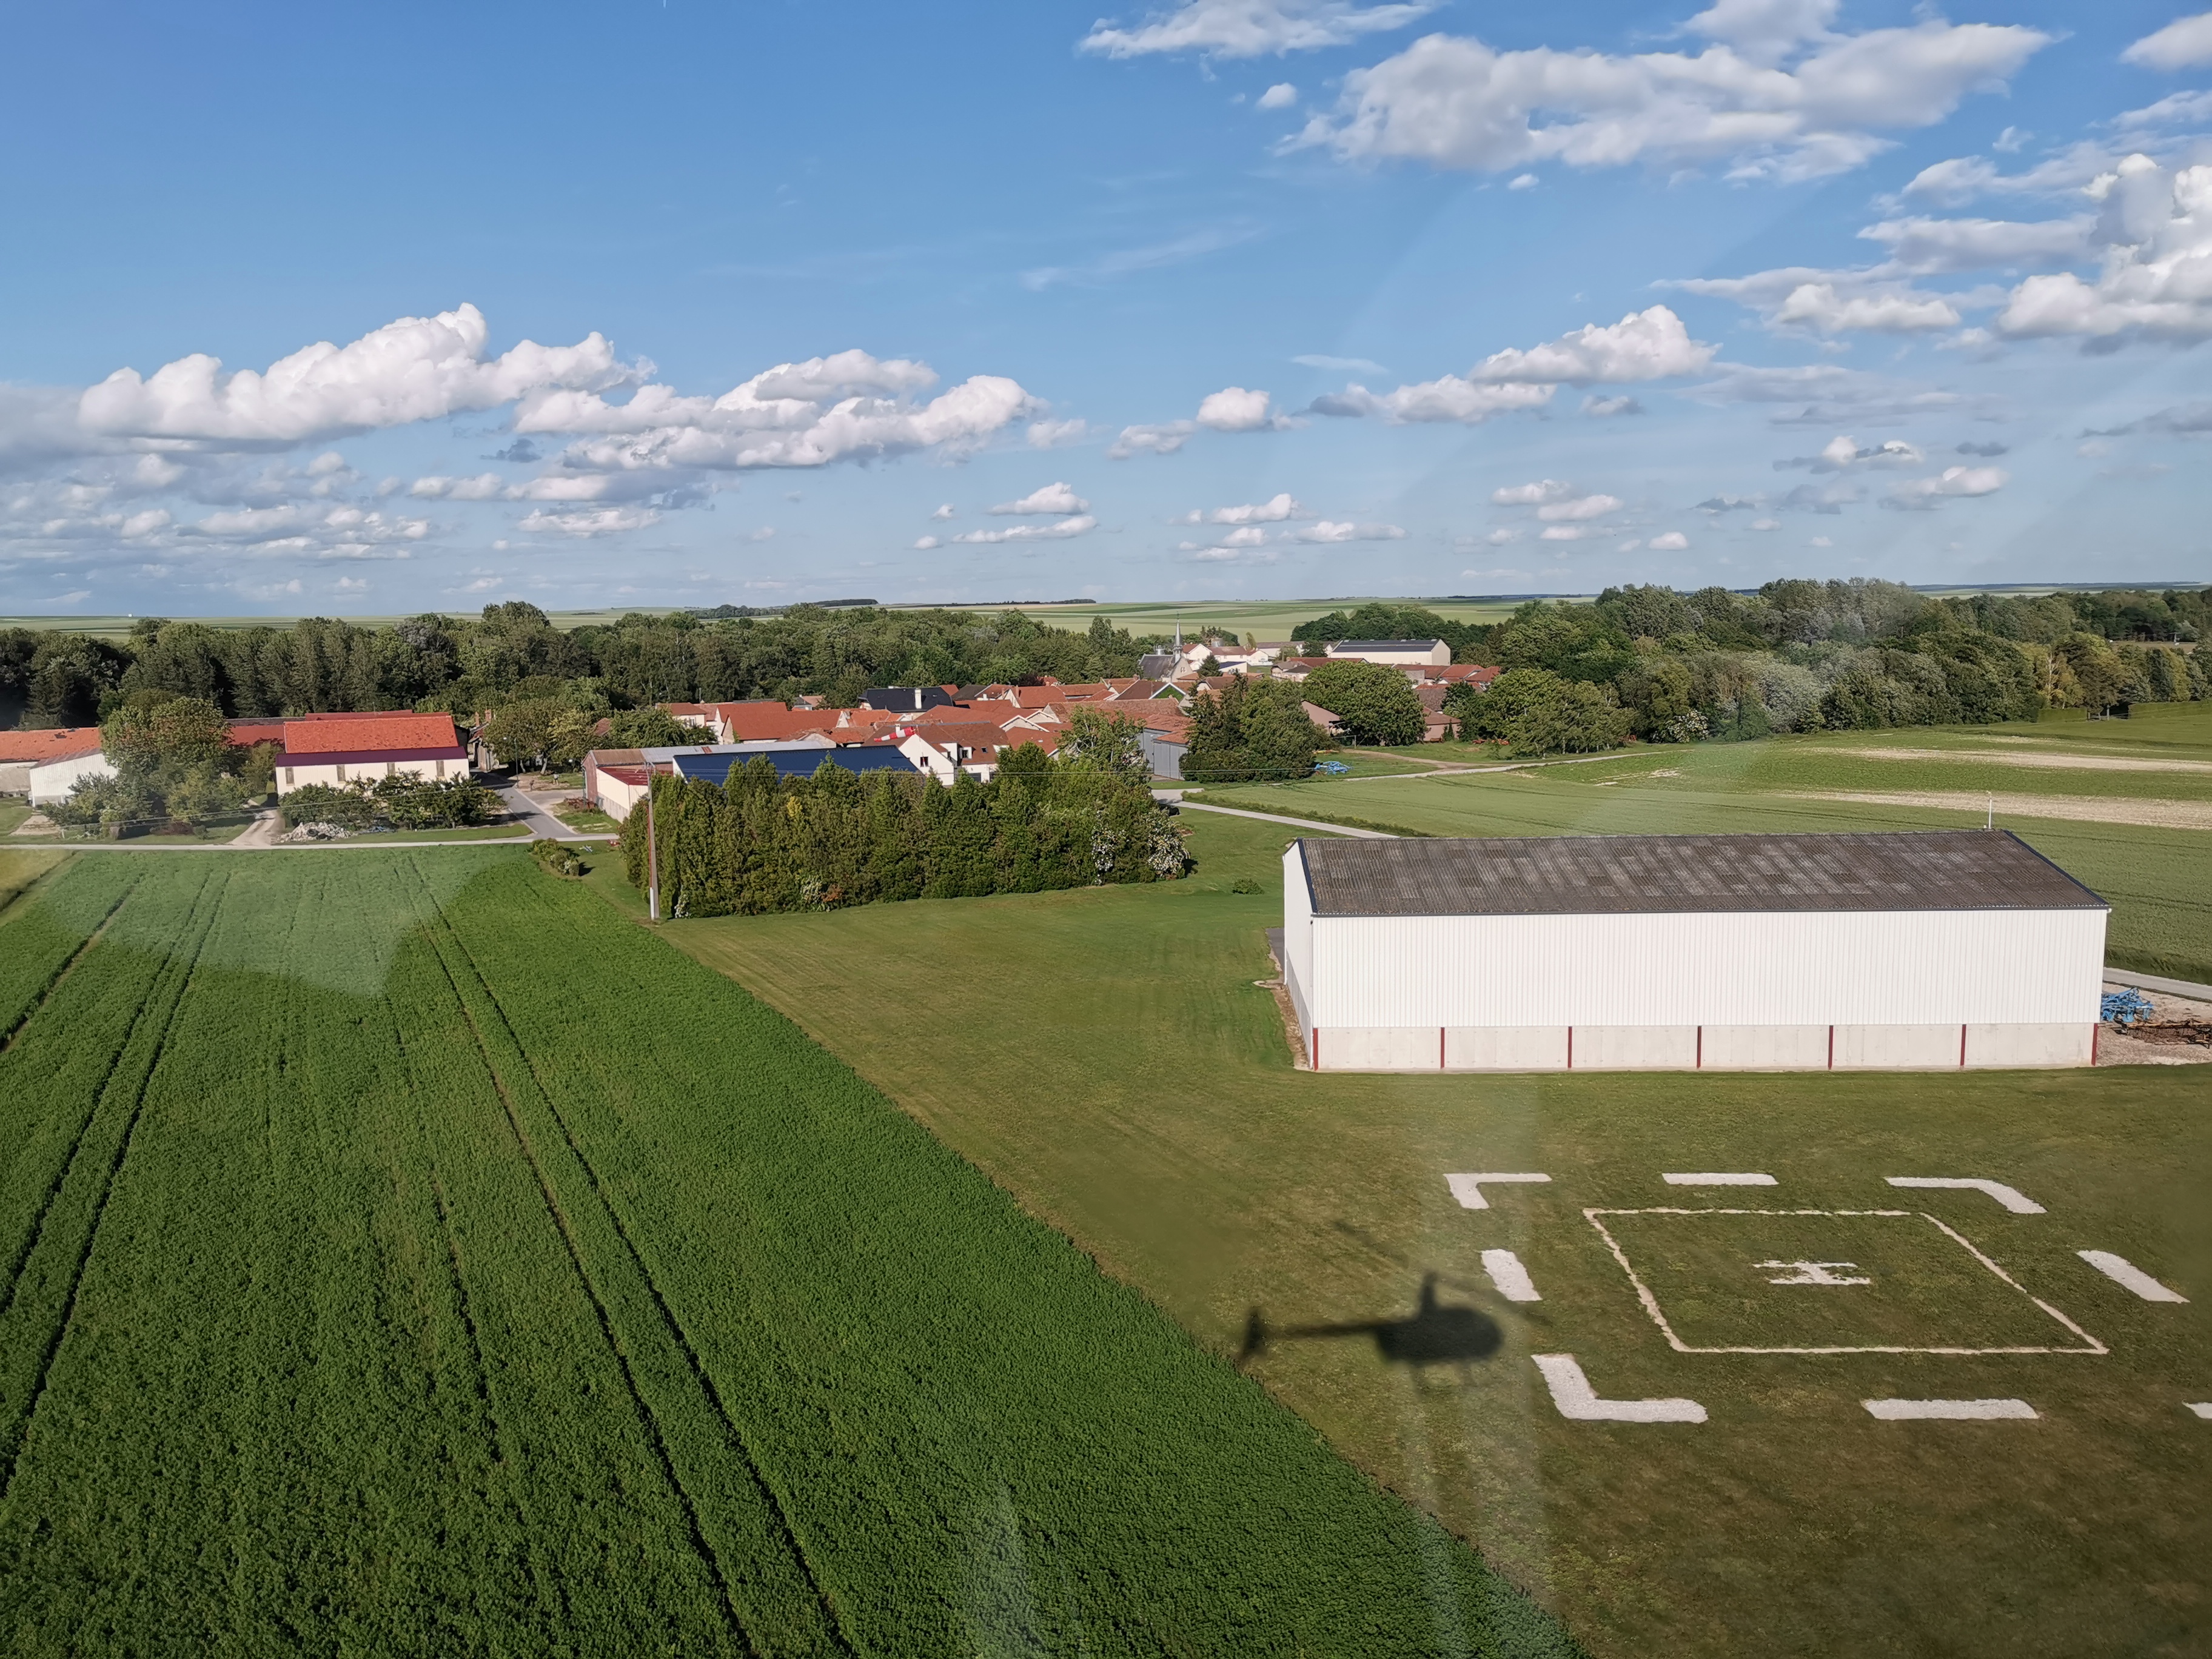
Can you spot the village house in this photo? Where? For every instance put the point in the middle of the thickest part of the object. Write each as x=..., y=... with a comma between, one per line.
x=45, y=765
x=342, y=749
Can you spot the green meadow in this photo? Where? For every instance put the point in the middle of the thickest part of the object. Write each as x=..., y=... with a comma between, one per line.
x=1114, y=1059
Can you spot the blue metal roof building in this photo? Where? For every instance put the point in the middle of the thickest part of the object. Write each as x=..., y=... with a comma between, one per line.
x=794, y=763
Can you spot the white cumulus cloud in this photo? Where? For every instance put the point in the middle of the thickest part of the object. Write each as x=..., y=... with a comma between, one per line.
x=1927, y=247
x=1924, y=493
x=484, y=487
x=417, y=368
x=1775, y=95
x=1531, y=495
x=1056, y=435
x=1050, y=498
x=1252, y=29
x=2186, y=43
x=1281, y=96
x=1032, y=532
x=1579, y=507
x=1446, y=398
x=1276, y=509
x=591, y=521
x=2155, y=231
x=1645, y=345
x=1161, y=439
x=1327, y=531
x=1233, y=409
x=1672, y=541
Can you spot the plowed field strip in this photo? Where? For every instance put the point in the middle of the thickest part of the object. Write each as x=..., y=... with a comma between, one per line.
x=774, y=1501
x=19, y=1409
x=648, y=1417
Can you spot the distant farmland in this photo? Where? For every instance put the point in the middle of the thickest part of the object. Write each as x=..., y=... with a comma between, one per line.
x=406, y=1254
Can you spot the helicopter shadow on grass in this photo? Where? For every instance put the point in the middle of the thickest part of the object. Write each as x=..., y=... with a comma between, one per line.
x=1435, y=1334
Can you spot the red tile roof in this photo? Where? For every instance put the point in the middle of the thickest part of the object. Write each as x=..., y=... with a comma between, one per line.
x=53, y=744
x=370, y=734
x=756, y=722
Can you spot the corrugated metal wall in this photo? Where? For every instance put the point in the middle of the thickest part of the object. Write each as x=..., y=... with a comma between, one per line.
x=1994, y=967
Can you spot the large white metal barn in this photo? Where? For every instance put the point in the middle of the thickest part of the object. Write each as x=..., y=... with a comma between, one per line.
x=1752, y=952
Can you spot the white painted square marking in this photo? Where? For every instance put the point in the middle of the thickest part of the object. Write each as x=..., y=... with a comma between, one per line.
x=1468, y=1188
x=2121, y=1271
x=1899, y=1411
x=1644, y=1293
x=1511, y=1278
x=1720, y=1178
x=1572, y=1394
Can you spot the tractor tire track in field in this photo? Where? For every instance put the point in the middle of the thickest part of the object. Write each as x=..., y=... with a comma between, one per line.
x=160, y=1010
x=60, y=974
x=479, y=1364
x=447, y=945
x=32, y=1234
x=700, y=1378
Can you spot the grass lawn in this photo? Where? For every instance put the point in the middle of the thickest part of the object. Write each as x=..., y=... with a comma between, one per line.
x=407, y=1255
x=1114, y=1063
x=13, y=812
x=2153, y=874
x=590, y=820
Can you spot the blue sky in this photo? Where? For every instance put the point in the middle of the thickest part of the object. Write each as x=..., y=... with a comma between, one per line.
x=684, y=303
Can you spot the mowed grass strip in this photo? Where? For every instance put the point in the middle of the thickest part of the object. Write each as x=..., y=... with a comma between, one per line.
x=509, y=1308
x=1132, y=1085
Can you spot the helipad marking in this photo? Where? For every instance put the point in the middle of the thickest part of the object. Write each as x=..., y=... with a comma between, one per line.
x=2203, y=1408
x=2011, y=1197
x=1899, y=1411
x=1511, y=1278
x=1468, y=1188
x=1572, y=1394
x=1720, y=1178
x=2121, y=1271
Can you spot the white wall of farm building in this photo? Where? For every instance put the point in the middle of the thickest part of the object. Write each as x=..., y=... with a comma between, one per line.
x=297, y=775
x=1721, y=991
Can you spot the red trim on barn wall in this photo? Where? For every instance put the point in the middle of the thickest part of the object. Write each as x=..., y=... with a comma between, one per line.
x=1962, y=1045
x=1316, y=1048
x=1701, y=1048
x=2095, y=1031
x=1440, y=1047
x=1831, y=1048
x=1571, y=1048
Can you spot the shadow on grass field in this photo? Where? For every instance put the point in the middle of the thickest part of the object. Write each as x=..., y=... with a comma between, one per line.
x=1108, y=1055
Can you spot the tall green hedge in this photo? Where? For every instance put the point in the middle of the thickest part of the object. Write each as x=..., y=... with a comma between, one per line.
x=764, y=843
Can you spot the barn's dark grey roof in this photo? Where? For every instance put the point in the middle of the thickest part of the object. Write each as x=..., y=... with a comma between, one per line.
x=1616, y=875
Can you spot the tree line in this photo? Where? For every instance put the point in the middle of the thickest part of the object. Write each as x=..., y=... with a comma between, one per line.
x=512, y=651
x=760, y=843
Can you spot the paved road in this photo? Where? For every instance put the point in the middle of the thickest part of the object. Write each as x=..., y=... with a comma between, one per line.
x=535, y=811
x=1275, y=817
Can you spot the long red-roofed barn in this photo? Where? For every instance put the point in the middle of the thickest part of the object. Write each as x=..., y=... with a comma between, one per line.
x=342, y=749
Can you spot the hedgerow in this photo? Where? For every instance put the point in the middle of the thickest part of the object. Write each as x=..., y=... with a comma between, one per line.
x=764, y=843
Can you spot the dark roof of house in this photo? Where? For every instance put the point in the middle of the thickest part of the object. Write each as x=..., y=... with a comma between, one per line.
x=1618, y=875
x=797, y=763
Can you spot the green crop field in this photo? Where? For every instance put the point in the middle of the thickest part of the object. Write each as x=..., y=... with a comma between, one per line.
x=2137, y=795
x=406, y=1254
x=1110, y=1058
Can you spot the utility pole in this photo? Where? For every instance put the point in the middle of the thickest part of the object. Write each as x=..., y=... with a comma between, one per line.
x=651, y=852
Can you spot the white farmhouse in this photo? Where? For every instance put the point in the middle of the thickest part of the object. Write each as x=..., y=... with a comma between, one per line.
x=1751, y=952
x=47, y=764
